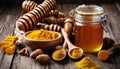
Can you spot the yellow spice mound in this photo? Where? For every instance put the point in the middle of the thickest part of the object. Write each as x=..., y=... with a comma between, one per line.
x=103, y=55
x=59, y=54
x=42, y=35
x=76, y=53
x=87, y=63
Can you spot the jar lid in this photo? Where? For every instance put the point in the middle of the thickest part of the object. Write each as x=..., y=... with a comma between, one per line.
x=89, y=10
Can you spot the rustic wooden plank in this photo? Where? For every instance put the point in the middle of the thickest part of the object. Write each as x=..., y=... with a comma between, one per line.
x=23, y=62
x=109, y=64
x=117, y=53
x=8, y=17
x=70, y=64
x=56, y=65
x=113, y=14
x=118, y=4
x=109, y=33
x=114, y=19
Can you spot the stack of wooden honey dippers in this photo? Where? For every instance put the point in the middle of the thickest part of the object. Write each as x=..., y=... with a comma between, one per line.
x=44, y=13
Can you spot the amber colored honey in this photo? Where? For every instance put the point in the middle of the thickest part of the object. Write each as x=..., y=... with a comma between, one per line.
x=89, y=36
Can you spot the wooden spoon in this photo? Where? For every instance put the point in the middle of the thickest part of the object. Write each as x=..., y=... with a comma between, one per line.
x=60, y=54
x=104, y=54
x=73, y=51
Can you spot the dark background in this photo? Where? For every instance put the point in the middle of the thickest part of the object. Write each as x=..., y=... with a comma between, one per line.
x=8, y=2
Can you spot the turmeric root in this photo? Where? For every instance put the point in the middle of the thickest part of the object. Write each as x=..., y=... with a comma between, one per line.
x=3, y=48
x=4, y=43
x=8, y=44
x=10, y=50
x=24, y=51
x=11, y=39
x=53, y=20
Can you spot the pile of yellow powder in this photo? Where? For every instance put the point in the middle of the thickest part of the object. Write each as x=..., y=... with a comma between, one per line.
x=87, y=63
x=42, y=35
x=76, y=53
x=59, y=54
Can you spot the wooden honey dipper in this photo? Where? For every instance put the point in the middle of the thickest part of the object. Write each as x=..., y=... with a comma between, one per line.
x=52, y=16
x=68, y=26
x=52, y=27
x=104, y=54
x=30, y=19
x=30, y=5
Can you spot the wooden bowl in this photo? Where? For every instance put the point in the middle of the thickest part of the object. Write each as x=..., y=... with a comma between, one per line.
x=42, y=44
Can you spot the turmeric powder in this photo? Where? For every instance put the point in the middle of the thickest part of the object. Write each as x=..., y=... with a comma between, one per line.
x=59, y=54
x=87, y=63
x=76, y=53
x=103, y=55
x=42, y=35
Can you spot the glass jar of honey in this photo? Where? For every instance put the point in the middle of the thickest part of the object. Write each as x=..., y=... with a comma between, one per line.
x=88, y=27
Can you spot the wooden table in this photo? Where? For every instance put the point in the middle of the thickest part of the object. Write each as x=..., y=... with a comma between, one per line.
x=9, y=15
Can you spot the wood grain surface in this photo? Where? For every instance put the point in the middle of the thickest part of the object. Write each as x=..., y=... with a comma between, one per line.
x=10, y=14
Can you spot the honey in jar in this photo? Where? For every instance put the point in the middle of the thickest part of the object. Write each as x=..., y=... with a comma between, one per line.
x=88, y=27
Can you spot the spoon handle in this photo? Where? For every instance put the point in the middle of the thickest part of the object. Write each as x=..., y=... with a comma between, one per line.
x=114, y=47
x=66, y=38
x=64, y=45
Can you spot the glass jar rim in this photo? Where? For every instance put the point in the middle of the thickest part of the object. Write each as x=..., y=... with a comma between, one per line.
x=89, y=10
